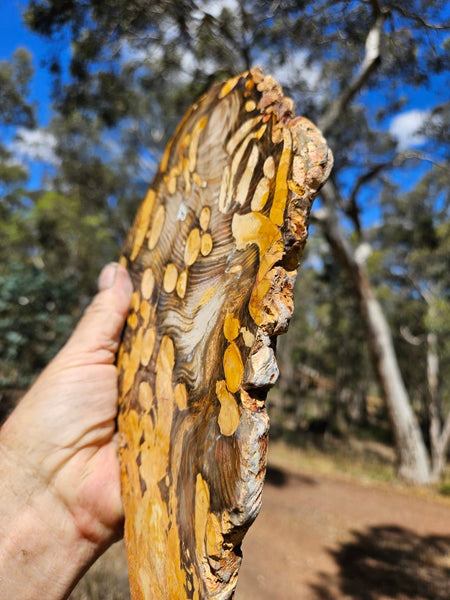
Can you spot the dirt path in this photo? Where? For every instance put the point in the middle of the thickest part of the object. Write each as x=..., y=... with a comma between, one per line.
x=320, y=537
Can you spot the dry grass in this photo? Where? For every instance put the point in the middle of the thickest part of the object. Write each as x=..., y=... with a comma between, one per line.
x=362, y=461
x=333, y=456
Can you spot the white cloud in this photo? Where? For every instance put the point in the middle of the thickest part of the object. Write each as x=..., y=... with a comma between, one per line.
x=14, y=161
x=405, y=128
x=35, y=144
x=294, y=69
x=131, y=53
x=189, y=64
x=215, y=8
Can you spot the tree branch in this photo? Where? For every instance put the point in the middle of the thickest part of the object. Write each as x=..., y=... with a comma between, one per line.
x=327, y=218
x=352, y=209
x=419, y=19
x=414, y=340
x=370, y=61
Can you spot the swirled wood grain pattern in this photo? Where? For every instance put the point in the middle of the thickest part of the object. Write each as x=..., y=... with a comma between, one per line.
x=213, y=255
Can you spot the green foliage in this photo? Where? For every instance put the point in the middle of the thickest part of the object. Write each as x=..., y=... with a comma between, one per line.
x=15, y=76
x=15, y=110
x=327, y=336
x=134, y=68
x=414, y=263
x=68, y=240
x=444, y=487
x=35, y=316
x=50, y=256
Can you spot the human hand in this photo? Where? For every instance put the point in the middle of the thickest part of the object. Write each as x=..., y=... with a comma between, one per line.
x=59, y=448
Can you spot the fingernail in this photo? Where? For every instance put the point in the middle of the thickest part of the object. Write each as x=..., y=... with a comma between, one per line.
x=107, y=276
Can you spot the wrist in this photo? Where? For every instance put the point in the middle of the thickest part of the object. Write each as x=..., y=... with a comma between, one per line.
x=39, y=538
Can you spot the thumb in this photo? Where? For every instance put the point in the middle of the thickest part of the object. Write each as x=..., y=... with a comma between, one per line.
x=100, y=328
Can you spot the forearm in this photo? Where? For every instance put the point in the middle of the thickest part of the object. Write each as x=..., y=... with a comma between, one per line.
x=42, y=554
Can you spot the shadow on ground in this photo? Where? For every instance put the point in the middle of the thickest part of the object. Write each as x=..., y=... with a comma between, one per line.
x=389, y=562
x=279, y=477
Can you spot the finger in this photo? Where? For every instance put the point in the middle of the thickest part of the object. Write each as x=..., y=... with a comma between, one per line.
x=101, y=325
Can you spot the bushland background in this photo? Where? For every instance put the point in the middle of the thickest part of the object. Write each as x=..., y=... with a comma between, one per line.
x=91, y=91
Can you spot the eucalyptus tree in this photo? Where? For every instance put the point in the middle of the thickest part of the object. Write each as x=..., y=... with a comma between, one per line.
x=415, y=238
x=352, y=66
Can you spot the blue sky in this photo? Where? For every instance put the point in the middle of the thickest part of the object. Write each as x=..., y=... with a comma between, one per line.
x=13, y=34
x=37, y=144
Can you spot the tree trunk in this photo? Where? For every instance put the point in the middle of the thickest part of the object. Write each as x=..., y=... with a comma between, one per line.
x=413, y=465
x=213, y=256
x=411, y=451
x=439, y=430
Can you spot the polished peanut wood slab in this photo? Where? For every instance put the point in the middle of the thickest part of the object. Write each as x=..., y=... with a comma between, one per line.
x=213, y=255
